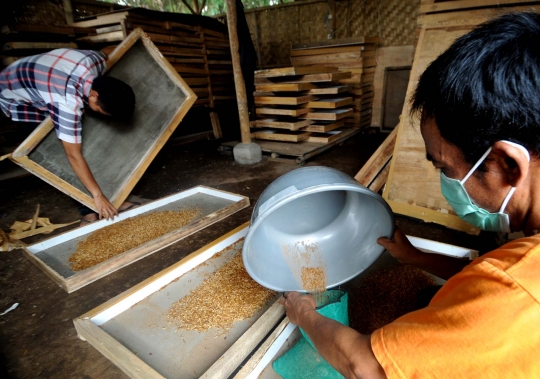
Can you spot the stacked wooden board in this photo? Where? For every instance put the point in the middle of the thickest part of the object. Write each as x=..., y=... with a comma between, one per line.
x=196, y=47
x=22, y=40
x=355, y=55
x=295, y=104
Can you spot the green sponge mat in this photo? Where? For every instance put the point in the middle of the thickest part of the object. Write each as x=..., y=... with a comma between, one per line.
x=303, y=361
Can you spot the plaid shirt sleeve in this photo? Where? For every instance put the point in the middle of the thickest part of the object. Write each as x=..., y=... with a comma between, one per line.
x=55, y=83
x=67, y=115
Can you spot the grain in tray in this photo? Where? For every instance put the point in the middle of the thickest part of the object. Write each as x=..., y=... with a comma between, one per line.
x=125, y=235
x=228, y=295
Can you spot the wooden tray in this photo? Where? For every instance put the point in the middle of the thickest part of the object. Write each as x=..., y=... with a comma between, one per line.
x=132, y=330
x=117, y=153
x=52, y=255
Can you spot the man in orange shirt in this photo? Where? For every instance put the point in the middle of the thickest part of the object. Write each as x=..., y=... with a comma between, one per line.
x=479, y=104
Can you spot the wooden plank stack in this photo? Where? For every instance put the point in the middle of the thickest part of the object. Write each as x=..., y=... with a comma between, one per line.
x=295, y=104
x=356, y=55
x=200, y=53
x=22, y=40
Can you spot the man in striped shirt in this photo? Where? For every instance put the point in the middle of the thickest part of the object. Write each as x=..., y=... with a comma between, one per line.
x=61, y=84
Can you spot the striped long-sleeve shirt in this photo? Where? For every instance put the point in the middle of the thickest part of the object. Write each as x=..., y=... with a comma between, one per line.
x=56, y=83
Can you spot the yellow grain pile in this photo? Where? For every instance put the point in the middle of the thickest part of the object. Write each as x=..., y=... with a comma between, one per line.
x=386, y=295
x=118, y=238
x=226, y=296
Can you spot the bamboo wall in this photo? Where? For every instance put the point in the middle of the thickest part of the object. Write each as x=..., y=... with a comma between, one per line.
x=275, y=29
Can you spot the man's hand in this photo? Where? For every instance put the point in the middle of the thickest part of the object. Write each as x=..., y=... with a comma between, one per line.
x=297, y=305
x=104, y=207
x=439, y=265
x=400, y=248
x=74, y=154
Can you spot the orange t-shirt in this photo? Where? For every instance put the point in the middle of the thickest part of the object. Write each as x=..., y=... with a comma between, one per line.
x=483, y=323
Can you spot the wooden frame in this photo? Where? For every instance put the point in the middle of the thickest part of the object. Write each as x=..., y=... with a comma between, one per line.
x=72, y=281
x=391, y=57
x=89, y=326
x=21, y=155
x=413, y=187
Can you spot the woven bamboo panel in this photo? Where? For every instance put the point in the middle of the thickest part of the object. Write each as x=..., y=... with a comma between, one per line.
x=39, y=12
x=393, y=20
x=274, y=30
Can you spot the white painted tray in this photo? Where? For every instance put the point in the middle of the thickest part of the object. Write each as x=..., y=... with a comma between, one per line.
x=132, y=330
x=52, y=255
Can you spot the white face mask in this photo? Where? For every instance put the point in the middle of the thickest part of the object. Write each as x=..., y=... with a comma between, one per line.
x=456, y=195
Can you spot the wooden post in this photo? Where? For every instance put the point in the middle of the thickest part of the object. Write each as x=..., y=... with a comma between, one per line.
x=241, y=97
x=68, y=11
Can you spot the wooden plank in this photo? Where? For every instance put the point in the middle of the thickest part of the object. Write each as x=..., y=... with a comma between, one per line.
x=325, y=137
x=329, y=90
x=274, y=135
x=254, y=360
x=281, y=111
x=380, y=179
x=337, y=42
x=332, y=50
x=280, y=123
x=468, y=4
x=216, y=126
x=279, y=100
x=377, y=161
x=108, y=29
x=294, y=71
x=115, y=36
x=115, y=352
x=44, y=29
x=469, y=18
x=313, y=78
x=330, y=103
x=284, y=87
x=38, y=45
x=322, y=126
x=240, y=350
x=332, y=58
x=330, y=114
x=101, y=20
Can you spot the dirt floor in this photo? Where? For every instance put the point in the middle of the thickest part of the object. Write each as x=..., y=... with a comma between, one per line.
x=38, y=338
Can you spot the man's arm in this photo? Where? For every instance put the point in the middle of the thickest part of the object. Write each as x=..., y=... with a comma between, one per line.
x=439, y=265
x=77, y=161
x=348, y=351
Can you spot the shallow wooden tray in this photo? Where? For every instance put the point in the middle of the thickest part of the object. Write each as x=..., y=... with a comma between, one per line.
x=132, y=330
x=52, y=255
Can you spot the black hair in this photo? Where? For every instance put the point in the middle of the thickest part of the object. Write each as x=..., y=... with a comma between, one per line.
x=115, y=97
x=486, y=87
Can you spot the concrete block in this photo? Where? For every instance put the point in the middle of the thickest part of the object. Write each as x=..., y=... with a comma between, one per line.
x=247, y=153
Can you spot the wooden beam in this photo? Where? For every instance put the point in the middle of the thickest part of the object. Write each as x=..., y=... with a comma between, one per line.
x=241, y=97
x=378, y=160
x=467, y=4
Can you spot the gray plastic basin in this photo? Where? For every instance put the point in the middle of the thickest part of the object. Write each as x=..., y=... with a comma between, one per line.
x=315, y=217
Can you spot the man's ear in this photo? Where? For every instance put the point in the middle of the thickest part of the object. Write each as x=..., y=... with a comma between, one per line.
x=513, y=162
